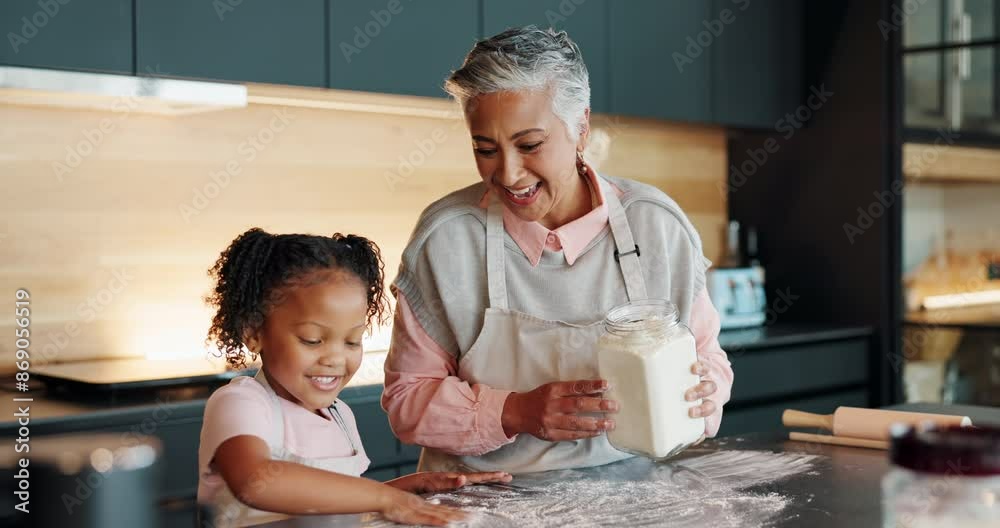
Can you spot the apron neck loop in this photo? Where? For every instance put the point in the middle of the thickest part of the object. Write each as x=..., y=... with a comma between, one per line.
x=626, y=251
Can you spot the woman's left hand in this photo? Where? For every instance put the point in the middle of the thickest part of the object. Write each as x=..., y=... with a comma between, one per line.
x=701, y=391
x=437, y=481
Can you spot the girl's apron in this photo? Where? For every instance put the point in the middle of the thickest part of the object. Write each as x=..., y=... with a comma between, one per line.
x=229, y=511
x=519, y=352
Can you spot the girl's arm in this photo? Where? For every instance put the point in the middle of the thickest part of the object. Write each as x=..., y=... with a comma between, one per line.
x=256, y=480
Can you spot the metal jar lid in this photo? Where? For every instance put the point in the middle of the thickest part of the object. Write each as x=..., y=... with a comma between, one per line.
x=952, y=450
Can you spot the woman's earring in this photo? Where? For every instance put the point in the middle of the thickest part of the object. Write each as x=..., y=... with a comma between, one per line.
x=581, y=166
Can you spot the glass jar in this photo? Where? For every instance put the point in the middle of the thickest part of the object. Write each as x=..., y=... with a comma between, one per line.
x=947, y=477
x=645, y=353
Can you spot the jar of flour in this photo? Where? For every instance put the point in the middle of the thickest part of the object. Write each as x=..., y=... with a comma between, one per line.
x=646, y=354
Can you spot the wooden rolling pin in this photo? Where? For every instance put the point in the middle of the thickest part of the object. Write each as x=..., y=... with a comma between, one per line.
x=839, y=440
x=872, y=424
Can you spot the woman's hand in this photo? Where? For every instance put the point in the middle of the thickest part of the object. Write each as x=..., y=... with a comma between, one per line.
x=432, y=482
x=701, y=391
x=552, y=411
x=406, y=508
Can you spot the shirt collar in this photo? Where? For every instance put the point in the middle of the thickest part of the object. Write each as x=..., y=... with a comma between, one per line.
x=574, y=236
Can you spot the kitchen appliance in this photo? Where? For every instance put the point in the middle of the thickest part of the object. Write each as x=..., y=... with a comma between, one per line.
x=134, y=373
x=86, y=481
x=737, y=287
x=151, y=94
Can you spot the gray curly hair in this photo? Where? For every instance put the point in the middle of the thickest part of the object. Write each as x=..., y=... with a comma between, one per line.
x=527, y=58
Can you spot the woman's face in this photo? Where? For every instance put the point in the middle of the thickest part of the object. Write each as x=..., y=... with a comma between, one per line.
x=310, y=342
x=526, y=155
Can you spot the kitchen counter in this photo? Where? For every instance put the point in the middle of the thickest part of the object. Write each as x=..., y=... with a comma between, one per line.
x=840, y=487
x=784, y=334
x=833, y=486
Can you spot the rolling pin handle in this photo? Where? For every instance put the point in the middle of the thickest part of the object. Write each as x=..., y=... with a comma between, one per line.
x=793, y=418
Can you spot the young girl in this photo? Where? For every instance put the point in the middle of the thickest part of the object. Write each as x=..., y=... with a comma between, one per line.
x=282, y=441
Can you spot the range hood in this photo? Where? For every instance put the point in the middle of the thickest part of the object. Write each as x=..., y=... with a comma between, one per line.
x=117, y=93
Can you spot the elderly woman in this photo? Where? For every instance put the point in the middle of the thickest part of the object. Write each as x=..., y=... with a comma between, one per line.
x=504, y=283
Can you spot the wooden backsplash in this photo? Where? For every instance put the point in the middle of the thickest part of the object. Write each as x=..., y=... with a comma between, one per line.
x=111, y=220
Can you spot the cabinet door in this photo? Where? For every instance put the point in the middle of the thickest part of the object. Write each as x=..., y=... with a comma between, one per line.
x=798, y=369
x=756, y=71
x=767, y=418
x=658, y=68
x=585, y=22
x=93, y=36
x=399, y=46
x=267, y=41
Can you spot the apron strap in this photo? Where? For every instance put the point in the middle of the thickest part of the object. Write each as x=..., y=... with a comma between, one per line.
x=278, y=431
x=626, y=252
x=496, y=272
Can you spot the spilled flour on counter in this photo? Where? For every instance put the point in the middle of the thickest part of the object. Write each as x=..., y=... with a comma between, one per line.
x=705, y=491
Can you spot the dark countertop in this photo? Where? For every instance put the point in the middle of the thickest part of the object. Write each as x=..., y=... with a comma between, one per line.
x=783, y=334
x=840, y=487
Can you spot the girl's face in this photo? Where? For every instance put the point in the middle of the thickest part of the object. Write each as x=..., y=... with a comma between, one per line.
x=525, y=154
x=310, y=343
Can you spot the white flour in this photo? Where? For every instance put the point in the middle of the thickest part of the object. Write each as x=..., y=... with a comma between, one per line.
x=706, y=491
x=649, y=374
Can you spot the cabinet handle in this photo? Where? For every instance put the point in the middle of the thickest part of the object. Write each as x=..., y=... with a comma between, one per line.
x=965, y=54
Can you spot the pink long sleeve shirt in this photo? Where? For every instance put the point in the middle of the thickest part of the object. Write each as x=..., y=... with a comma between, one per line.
x=429, y=405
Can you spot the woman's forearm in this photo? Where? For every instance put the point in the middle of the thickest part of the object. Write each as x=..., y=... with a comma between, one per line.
x=427, y=404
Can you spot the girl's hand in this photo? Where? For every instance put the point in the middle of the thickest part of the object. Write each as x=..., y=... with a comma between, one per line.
x=432, y=482
x=407, y=508
x=701, y=391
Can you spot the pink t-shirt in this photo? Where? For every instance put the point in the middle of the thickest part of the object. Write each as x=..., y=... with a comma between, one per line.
x=243, y=407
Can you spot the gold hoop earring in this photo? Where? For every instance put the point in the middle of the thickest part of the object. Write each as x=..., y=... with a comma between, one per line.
x=581, y=165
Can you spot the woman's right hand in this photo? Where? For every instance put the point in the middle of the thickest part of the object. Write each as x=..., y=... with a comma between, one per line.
x=406, y=508
x=552, y=411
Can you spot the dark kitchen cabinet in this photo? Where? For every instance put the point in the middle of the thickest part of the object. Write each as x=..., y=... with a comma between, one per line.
x=90, y=36
x=756, y=61
x=266, y=41
x=658, y=68
x=585, y=22
x=817, y=373
x=399, y=46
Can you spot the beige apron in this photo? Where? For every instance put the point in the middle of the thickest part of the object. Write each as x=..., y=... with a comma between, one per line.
x=519, y=352
x=229, y=511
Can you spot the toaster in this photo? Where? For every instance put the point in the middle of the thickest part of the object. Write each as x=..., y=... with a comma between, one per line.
x=738, y=295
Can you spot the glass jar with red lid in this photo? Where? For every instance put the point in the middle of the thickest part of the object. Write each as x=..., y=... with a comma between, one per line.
x=942, y=477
